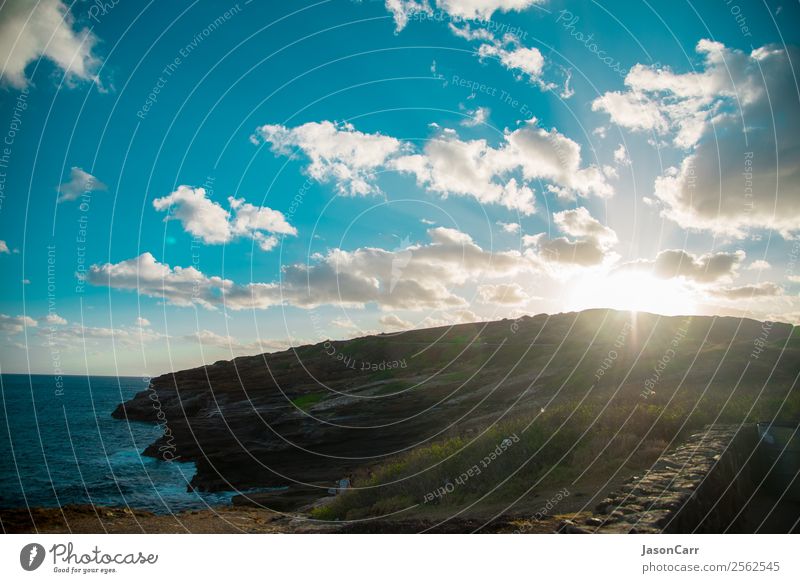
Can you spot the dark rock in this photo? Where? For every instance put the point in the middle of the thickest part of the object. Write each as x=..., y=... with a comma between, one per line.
x=593, y=521
x=569, y=527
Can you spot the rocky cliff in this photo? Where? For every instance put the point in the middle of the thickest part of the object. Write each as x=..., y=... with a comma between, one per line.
x=313, y=414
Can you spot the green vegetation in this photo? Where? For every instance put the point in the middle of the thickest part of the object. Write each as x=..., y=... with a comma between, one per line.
x=305, y=402
x=628, y=433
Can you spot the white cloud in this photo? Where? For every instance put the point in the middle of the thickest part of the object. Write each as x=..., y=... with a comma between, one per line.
x=367, y=275
x=344, y=324
x=338, y=153
x=579, y=223
x=483, y=9
x=446, y=165
x=142, y=322
x=549, y=155
x=510, y=294
x=584, y=253
x=739, y=117
x=4, y=247
x=509, y=227
x=208, y=339
x=477, y=116
x=15, y=324
x=75, y=336
x=621, y=156
x=526, y=61
x=393, y=322
x=468, y=33
x=759, y=265
x=449, y=318
x=711, y=267
x=592, y=244
x=743, y=292
x=180, y=286
x=53, y=319
x=632, y=111
x=46, y=28
x=207, y=220
x=80, y=183
x=403, y=10
x=468, y=168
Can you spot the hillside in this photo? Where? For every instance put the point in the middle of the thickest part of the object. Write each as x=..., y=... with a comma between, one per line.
x=600, y=390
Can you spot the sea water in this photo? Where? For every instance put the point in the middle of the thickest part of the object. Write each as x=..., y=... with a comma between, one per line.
x=60, y=445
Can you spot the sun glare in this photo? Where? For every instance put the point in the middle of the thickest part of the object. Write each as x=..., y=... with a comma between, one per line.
x=638, y=292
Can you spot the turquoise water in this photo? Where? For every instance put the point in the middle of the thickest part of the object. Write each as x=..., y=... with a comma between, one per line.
x=65, y=448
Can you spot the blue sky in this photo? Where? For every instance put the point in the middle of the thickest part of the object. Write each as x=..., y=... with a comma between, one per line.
x=372, y=166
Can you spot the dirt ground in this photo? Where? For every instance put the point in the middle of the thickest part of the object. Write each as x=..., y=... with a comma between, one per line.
x=232, y=520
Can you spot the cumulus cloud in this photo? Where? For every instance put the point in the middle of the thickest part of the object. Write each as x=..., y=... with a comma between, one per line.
x=591, y=246
x=446, y=164
x=477, y=116
x=621, y=155
x=525, y=61
x=759, y=265
x=142, y=322
x=579, y=223
x=208, y=338
x=450, y=166
x=743, y=292
x=708, y=268
x=207, y=220
x=15, y=324
x=393, y=322
x=75, y=335
x=339, y=277
x=80, y=183
x=402, y=10
x=337, y=152
x=509, y=294
x=4, y=247
x=449, y=318
x=53, y=319
x=739, y=117
x=344, y=324
x=180, y=286
x=509, y=227
x=44, y=29
x=551, y=156
x=584, y=253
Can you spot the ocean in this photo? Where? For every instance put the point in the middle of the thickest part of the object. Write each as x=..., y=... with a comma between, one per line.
x=64, y=447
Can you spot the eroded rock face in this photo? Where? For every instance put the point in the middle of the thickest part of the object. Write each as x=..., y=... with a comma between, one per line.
x=314, y=414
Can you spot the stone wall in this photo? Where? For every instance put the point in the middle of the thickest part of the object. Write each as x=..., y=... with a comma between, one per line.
x=699, y=486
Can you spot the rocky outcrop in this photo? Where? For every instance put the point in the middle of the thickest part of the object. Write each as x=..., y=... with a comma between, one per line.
x=700, y=486
x=310, y=415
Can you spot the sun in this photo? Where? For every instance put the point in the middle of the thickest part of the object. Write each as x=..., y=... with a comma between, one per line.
x=631, y=291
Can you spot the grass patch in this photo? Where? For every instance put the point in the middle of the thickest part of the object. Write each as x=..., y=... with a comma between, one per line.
x=305, y=402
x=561, y=443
